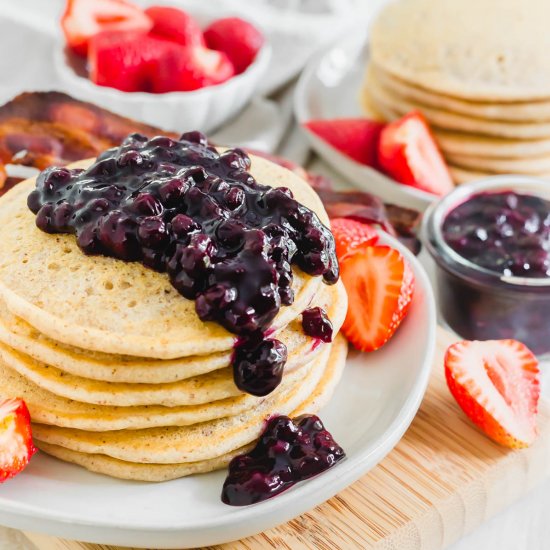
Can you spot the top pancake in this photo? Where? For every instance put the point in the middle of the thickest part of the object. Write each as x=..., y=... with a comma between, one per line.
x=107, y=305
x=481, y=50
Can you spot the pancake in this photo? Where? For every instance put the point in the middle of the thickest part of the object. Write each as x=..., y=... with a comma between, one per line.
x=20, y=336
x=385, y=101
x=491, y=50
x=201, y=441
x=104, y=464
x=491, y=147
x=519, y=111
x=48, y=408
x=536, y=166
x=463, y=175
x=107, y=305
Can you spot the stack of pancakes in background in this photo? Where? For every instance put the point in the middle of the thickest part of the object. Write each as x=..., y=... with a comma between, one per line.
x=119, y=373
x=480, y=73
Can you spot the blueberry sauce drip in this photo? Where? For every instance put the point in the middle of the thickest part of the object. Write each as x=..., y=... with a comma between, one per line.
x=178, y=206
x=505, y=232
x=316, y=324
x=288, y=451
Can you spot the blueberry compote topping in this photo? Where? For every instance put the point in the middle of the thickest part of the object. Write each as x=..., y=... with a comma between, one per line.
x=179, y=206
x=505, y=232
x=287, y=452
x=316, y=324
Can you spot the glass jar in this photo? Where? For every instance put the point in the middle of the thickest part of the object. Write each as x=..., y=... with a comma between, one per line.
x=475, y=302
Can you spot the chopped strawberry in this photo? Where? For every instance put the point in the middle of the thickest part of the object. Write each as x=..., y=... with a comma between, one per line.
x=123, y=60
x=239, y=39
x=350, y=235
x=16, y=446
x=186, y=69
x=176, y=25
x=497, y=384
x=83, y=19
x=409, y=154
x=380, y=285
x=355, y=137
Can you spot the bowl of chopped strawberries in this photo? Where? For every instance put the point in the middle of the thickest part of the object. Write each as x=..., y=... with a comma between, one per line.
x=161, y=64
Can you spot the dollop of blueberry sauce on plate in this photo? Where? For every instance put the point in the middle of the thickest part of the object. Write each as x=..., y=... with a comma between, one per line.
x=225, y=240
x=287, y=452
x=505, y=232
x=316, y=324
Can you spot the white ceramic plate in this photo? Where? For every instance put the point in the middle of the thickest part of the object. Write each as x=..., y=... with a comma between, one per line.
x=373, y=406
x=329, y=88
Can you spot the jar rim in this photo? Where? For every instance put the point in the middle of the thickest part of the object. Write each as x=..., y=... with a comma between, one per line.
x=448, y=258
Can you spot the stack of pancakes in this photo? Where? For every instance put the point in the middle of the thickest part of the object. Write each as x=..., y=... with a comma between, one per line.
x=480, y=73
x=119, y=373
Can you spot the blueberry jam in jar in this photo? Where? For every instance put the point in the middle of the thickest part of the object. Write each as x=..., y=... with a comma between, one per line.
x=491, y=242
x=180, y=207
x=287, y=452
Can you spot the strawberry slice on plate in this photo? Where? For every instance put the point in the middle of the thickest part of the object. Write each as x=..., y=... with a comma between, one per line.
x=239, y=39
x=497, y=384
x=83, y=19
x=176, y=25
x=350, y=235
x=16, y=446
x=380, y=285
x=355, y=137
x=409, y=154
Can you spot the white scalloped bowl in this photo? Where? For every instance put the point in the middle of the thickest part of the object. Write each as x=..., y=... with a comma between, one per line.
x=204, y=109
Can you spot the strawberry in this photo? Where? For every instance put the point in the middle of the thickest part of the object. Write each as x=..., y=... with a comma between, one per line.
x=175, y=25
x=409, y=154
x=16, y=446
x=123, y=60
x=83, y=19
x=497, y=384
x=380, y=285
x=350, y=235
x=185, y=69
x=355, y=137
x=239, y=39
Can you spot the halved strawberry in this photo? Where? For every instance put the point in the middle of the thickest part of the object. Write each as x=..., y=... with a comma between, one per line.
x=83, y=19
x=497, y=384
x=355, y=137
x=190, y=68
x=176, y=25
x=350, y=235
x=380, y=285
x=409, y=154
x=237, y=38
x=16, y=446
x=123, y=60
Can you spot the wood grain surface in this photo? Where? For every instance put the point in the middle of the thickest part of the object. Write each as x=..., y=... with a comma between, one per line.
x=442, y=480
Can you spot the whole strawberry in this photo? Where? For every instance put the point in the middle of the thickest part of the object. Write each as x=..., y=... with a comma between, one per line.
x=237, y=38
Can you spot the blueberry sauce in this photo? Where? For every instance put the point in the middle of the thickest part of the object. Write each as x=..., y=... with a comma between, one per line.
x=504, y=232
x=179, y=206
x=288, y=451
x=316, y=324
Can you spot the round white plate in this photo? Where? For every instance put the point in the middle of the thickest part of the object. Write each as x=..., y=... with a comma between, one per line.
x=374, y=404
x=329, y=88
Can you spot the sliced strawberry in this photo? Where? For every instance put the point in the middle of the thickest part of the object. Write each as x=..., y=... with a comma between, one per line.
x=176, y=25
x=186, y=69
x=122, y=60
x=238, y=38
x=16, y=446
x=409, y=154
x=497, y=384
x=355, y=137
x=380, y=285
x=350, y=235
x=83, y=19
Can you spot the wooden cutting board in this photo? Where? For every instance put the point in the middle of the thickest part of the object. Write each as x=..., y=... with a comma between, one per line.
x=441, y=481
